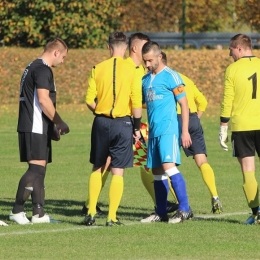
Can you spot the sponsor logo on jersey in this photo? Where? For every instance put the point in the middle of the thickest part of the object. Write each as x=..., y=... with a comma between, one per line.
x=151, y=96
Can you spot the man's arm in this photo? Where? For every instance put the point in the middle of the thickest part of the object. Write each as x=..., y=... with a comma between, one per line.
x=226, y=107
x=91, y=94
x=92, y=106
x=136, y=99
x=185, y=136
x=199, y=114
x=50, y=111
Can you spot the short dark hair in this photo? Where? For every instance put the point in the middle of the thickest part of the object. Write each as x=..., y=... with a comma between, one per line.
x=55, y=43
x=164, y=58
x=151, y=45
x=117, y=38
x=241, y=39
x=139, y=36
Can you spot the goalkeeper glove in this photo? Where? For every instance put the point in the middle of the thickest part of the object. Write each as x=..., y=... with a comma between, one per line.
x=223, y=137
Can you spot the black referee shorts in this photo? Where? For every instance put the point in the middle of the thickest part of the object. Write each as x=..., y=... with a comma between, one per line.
x=114, y=137
x=34, y=146
x=198, y=145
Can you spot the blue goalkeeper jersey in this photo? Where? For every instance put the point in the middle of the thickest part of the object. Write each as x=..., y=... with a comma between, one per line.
x=160, y=93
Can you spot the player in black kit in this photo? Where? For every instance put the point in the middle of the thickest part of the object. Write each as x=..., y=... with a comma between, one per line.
x=38, y=124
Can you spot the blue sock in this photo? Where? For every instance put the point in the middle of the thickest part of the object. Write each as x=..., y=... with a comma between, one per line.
x=179, y=187
x=161, y=189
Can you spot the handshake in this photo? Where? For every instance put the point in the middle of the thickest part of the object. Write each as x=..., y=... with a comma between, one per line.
x=223, y=137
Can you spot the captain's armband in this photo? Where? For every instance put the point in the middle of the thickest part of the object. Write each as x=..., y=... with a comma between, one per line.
x=179, y=90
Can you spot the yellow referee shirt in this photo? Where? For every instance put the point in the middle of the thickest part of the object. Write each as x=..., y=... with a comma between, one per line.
x=241, y=99
x=196, y=100
x=117, y=88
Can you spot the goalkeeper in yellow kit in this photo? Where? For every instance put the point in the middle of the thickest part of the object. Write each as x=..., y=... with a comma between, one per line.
x=240, y=105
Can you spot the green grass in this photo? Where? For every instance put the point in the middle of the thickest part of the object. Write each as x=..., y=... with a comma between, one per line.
x=205, y=237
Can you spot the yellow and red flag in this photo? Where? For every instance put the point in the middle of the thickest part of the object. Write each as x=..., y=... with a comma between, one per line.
x=140, y=148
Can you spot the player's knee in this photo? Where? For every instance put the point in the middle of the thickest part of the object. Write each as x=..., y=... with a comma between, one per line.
x=200, y=159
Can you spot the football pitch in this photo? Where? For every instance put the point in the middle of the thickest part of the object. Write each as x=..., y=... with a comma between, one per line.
x=206, y=236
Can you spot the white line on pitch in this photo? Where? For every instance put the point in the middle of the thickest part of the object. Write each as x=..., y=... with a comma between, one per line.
x=222, y=215
x=47, y=231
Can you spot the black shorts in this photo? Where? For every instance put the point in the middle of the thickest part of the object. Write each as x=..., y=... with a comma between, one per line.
x=245, y=143
x=198, y=145
x=34, y=146
x=114, y=137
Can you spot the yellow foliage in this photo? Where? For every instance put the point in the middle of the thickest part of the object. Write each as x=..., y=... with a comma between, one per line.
x=205, y=67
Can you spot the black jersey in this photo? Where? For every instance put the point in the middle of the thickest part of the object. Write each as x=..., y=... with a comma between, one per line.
x=37, y=75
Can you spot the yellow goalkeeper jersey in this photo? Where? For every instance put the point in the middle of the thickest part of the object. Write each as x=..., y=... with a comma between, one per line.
x=241, y=98
x=115, y=85
x=196, y=100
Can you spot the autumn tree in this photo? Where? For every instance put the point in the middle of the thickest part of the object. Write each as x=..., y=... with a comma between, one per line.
x=166, y=16
x=248, y=12
x=150, y=16
x=80, y=23
x=86, y=24
x=209, y=15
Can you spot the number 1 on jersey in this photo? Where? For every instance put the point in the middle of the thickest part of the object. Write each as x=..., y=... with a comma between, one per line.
x=254, y=82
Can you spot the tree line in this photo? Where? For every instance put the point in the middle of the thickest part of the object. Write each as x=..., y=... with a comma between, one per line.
x=87, y=23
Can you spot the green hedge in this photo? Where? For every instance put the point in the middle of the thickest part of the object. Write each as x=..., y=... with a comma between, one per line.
x=82, y=24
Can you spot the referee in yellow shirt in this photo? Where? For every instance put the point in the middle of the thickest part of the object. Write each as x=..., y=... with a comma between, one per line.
x=114, y=84
x=241, y=104
x=135, y=44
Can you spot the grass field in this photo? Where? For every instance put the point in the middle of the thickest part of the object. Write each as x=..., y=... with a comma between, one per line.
x=205, y=237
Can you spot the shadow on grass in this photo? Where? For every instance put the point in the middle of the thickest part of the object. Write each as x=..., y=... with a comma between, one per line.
x=72, y=208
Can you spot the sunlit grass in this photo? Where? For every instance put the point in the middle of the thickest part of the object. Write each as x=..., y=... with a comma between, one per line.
x=205, y=237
